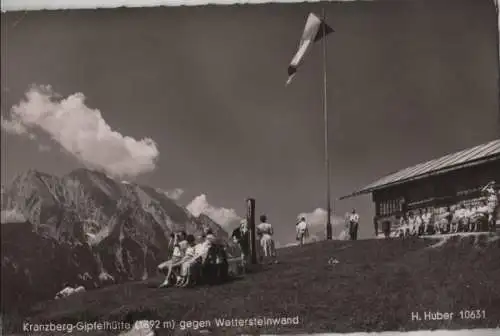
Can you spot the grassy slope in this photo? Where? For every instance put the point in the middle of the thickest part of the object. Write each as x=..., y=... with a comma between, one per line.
x=376, y=286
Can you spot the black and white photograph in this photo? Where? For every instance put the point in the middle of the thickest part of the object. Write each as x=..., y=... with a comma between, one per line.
x=251, y=169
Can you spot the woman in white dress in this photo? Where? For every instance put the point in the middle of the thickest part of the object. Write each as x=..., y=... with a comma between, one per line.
x=265, y=232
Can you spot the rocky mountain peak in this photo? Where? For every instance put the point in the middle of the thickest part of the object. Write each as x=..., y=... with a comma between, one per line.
x=102, y=227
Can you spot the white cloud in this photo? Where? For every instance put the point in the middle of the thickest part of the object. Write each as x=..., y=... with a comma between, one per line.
x=83, y=133
x=16, y=127
x=317, y=224
x=174, y=194
x=227, y=218
x=317, y=218
x=13, y=126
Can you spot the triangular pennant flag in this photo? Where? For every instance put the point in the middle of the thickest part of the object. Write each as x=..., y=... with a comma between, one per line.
x=315, y=30
x=323, y=30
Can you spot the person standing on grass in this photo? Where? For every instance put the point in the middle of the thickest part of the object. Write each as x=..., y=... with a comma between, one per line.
x=353, y=225
x=241, y=236
x=301, y=230
x=265, y=231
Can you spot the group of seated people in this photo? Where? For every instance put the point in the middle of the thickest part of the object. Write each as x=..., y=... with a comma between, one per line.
x=443, y=220
x=473, y=217
x=189, y=256
x=452, y=219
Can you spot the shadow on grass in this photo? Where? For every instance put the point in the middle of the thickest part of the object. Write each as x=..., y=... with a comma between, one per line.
x=155, y=283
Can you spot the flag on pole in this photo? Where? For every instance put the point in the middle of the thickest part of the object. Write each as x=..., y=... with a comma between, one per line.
x=497, y=5
x=314, y=31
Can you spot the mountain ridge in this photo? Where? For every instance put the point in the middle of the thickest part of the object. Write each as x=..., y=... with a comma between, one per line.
x=96, y=230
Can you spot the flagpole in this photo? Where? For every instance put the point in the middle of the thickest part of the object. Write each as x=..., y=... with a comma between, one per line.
x=325, y=114
x=497, y=7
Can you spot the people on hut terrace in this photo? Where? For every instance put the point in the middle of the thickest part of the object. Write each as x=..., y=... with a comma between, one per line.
x=459, y=219
x=467, y=216
x=419, y=223
x=405, y=228
x=492, y=202
x=446, y=219
x=483, y=212
x=427, y=219
x=413, y=223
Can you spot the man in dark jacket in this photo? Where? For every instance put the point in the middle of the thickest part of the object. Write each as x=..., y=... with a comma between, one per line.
x=353, y=225
x=241, y=236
